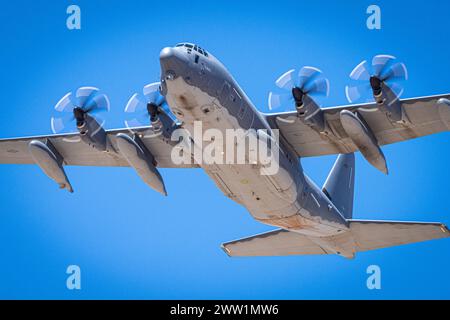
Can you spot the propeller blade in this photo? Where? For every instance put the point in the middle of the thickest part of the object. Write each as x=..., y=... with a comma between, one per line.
x=65, y=104
x=132, y=103
x=84, y=94
x=151, y=89
x=137, y=113
x=97, y=103
x=152, y=93
x=306, y=75
x=280, y=100
x=380, y=62
x=361, y=72
x=397, y=89
x=397, y=71
x=57, y=124
x=287, y=80
x=356, y=93
x=318, y=87
x=62, y=123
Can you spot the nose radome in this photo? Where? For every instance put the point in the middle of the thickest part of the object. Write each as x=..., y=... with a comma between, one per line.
x=172, y=58
x=173, y=62
x=167, y=53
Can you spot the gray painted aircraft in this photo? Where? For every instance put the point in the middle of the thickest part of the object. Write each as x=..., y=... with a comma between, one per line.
x=196, y=87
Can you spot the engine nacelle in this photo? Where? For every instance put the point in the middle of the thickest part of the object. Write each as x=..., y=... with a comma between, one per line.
x=48, y=159
x=92, y=133
x=311, y=114
x=390, y=103
x=363, y=138
x=141, y=160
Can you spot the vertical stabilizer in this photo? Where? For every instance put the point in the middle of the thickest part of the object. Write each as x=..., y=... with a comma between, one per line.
x=340, y=184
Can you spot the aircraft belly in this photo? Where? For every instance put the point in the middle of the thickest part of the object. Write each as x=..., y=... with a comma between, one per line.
x=265, y=196
x=276, y=199
x=253, y=191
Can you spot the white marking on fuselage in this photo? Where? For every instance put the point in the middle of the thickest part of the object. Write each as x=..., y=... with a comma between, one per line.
x=314, y=198
x=350, y=180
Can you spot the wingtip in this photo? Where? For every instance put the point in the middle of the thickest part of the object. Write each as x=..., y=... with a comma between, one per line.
x=163, y=192
x=445, y=230
x=226, y=250
x=384, y=169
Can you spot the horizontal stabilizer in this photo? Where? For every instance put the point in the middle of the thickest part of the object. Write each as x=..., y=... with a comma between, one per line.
x=363, y=236
x=371, y=235
x=274, y=243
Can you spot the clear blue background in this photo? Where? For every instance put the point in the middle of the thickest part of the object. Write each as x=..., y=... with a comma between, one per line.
x=132, y=243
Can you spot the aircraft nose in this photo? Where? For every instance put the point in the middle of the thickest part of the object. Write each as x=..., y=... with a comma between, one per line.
x=173, y=62
x=172, y=56
x=167, y=54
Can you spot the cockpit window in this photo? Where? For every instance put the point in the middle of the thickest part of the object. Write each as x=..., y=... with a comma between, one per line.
x=195, y=47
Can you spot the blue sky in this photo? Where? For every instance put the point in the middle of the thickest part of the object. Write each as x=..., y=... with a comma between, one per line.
x=132, y=243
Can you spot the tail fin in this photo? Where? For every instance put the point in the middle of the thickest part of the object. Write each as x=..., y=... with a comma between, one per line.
x=340, y=184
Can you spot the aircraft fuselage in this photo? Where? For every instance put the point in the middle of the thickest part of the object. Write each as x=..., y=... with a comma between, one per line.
x=199, y=89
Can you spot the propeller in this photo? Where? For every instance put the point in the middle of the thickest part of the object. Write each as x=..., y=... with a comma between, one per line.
x=75, y=106
x=292, y=86
x=145, y=106
x=367, y=79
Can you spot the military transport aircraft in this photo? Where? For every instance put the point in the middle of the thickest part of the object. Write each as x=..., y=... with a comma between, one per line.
x=195, y=87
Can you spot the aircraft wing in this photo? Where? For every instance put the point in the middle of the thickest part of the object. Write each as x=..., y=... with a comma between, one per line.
x=77, y=153
x=427, y=115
